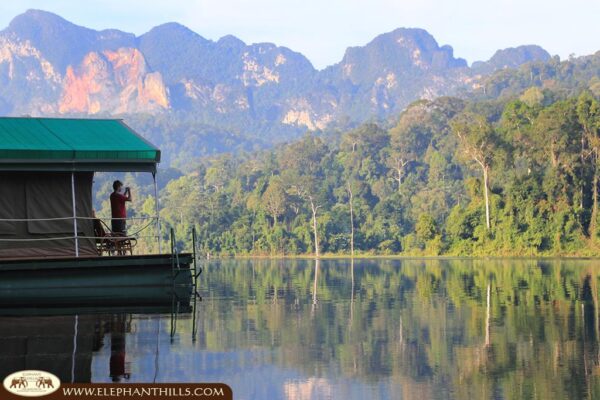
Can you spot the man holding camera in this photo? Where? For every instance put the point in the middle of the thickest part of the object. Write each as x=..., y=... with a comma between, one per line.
x=118, y=198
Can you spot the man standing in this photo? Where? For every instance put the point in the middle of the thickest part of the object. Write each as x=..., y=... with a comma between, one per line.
x=117, y=204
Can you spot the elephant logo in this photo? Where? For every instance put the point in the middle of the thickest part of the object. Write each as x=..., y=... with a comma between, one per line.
x=18, y=382
x=44, y=382
x=31, y=383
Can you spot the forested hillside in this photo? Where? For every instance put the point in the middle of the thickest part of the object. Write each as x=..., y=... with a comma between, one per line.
x=450, y=177
x=567, y=78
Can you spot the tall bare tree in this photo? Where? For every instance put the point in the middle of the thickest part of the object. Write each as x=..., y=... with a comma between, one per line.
x=478, y=144
x=397, y=162
x=350, y=202
x=305, y=158
x=303, y=190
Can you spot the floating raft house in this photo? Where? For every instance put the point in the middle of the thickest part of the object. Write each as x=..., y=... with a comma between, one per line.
x=47, y=167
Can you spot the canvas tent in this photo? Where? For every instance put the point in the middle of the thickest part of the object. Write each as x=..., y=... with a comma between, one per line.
x=46, y=173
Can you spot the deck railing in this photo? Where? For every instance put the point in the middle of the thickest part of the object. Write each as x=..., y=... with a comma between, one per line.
x=136, y=234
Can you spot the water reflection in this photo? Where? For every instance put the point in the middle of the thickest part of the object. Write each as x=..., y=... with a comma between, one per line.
x=64, y=345
x=390, y=329
x=119, y=367
x=413, y=328
x=47, y=338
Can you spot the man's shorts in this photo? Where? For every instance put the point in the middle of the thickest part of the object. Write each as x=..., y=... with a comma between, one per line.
x=119, y=226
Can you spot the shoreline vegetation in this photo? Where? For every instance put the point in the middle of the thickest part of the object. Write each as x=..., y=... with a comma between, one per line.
x=401, y=256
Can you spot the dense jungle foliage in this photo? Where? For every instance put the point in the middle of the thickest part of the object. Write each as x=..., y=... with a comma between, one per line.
x=510, y=177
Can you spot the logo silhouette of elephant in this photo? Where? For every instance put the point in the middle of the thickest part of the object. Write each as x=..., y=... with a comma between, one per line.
x=21, y=382
x=44, y=382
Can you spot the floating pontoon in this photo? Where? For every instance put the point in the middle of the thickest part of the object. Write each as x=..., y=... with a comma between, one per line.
x=47, y=240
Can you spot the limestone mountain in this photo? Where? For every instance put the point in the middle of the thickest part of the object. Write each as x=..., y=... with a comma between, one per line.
x=50, y=66
x=391, y=71
x=226, y=88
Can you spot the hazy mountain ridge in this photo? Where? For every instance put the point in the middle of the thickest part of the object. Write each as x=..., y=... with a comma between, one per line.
x=512, y=57
x=50, y=66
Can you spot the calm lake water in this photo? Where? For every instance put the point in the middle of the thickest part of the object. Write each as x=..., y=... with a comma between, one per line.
x=371, y=329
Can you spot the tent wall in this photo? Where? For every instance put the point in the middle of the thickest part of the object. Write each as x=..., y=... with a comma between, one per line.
x=44, y=195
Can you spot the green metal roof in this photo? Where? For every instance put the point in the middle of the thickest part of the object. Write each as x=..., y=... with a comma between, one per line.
x=67, y=144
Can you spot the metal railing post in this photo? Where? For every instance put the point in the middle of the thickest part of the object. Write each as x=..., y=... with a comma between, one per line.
x=173, y=255
x=194, y=249
x=74, y=213
x=157, y=207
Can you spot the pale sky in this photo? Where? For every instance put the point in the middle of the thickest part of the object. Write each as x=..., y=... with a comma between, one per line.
x=323, y=29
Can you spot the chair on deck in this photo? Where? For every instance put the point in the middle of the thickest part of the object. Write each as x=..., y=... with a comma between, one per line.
x=109, y=242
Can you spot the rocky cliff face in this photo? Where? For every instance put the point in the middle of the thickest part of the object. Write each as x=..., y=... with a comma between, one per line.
x=113, y=82
x=49, y=66
x=116, y=82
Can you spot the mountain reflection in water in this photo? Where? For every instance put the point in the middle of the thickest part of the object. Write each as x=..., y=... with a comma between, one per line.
x=337, y=329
